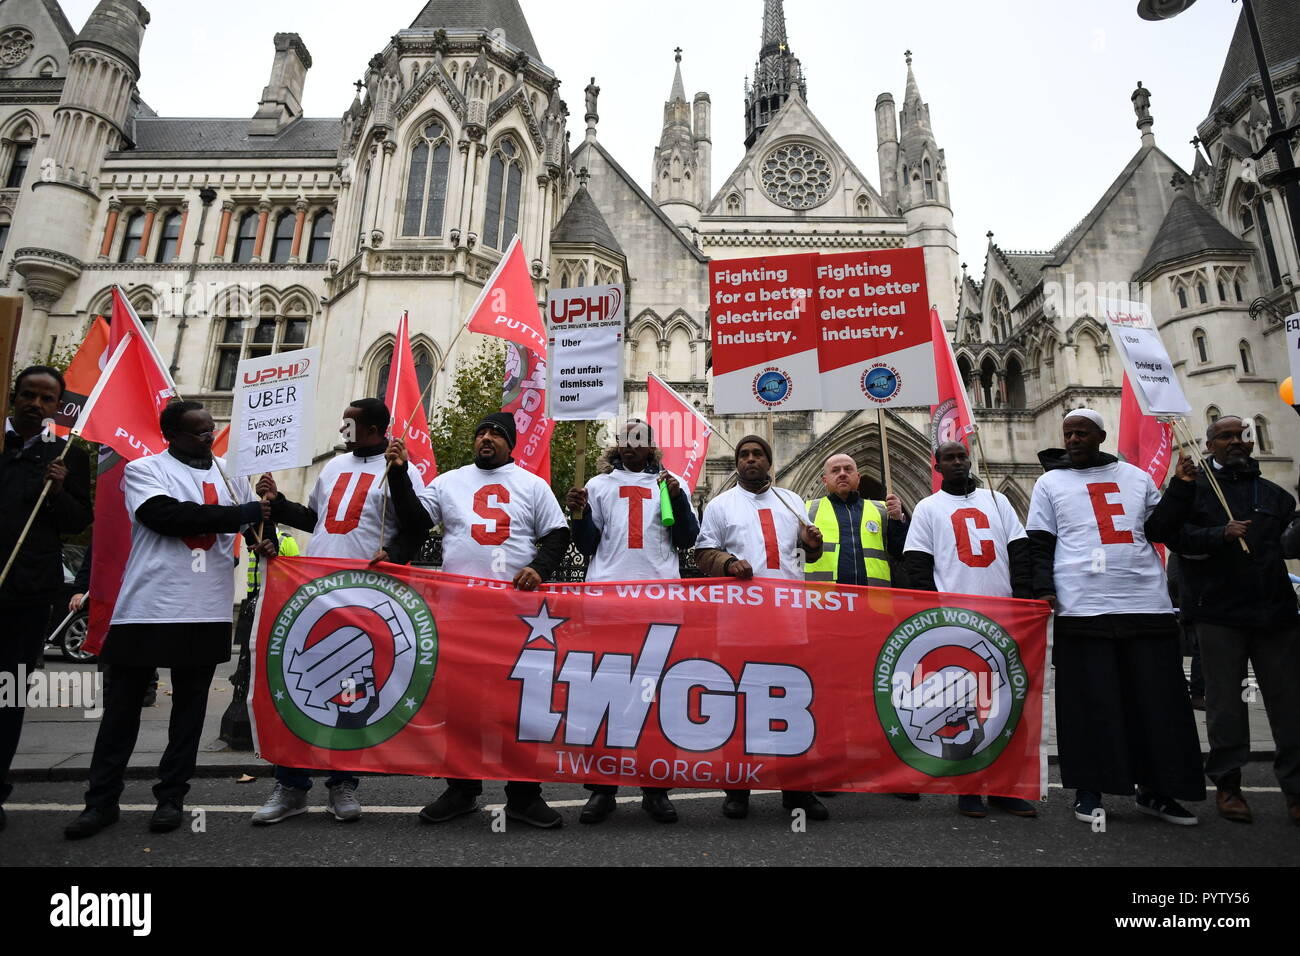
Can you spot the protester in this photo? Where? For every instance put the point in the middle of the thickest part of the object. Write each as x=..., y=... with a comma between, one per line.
x=174, y=610
x=968, y=540
x=858, y=539
x=501, y=523
x=1123, y=719
x=755, y=530
x=619, y=527
x=35, y=578
x=349, y=509
x=1244, y=610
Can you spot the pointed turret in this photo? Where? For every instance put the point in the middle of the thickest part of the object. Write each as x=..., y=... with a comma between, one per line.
x=777, y=75
x=923, y=176
x=676, y=164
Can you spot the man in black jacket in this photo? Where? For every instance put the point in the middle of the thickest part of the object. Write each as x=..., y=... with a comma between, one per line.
x=1244, y=609
x=36, y=578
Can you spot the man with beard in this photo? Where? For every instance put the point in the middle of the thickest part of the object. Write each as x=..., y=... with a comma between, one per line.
x=29, y=460
x=754, y=530
x=173, y=611
x=619, y=526
x=1244, y=609
x=1123, y=718
x=503, y=524
x=967, y=540
x=349, y=509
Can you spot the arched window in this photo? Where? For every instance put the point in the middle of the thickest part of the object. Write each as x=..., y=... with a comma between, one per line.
x=423, y=375
x=1247, y=360
x=1000, y=317
x=169, y=237
x=365, y=205
x=282, y=243
x=1202, y=346
x=1015, y=385
x=988, y=384
x=505, y=185
x=1202, y=293
x=1223, y=292
x=18, y=167
x=929, y=179
x=1236, y=288
x=733, y=205
x=1266, y=242
x=245, y=238
x=1212, y=414
x=426, y=183
x=322, y=231
x=254, y=337
x=964, y=370
x=131, y=241
x=864, y=206
x=1182, y=297
x=1262, y=443
x=4, y=235
x=582, y=279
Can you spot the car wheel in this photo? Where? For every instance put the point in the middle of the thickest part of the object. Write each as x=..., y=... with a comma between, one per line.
x=73, y=639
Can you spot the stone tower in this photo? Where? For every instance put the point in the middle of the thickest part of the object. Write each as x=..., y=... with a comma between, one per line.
x=680, y=179
x=777, y=74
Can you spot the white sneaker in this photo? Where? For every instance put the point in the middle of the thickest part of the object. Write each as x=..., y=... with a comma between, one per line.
x=284, y=802
x=343, y=802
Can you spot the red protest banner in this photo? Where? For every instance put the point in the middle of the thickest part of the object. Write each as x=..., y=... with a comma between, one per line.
x=695, y=684
x=681, y=433
x=873, y=318
x=403, y=398
x=764, y=334
x=523, y=395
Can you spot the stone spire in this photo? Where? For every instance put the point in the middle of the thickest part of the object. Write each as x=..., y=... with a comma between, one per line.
x=777, y=74
x=675, y=160
x=679, y=88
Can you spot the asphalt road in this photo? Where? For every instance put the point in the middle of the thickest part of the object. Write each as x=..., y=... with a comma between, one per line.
x=865, y=830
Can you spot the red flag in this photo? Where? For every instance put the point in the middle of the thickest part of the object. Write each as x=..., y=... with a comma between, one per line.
x=124, y=420
x=808, y=687
x=951, y=419
x=681, y=432
x=82, y=375
x=403, y=399
x=507, y=307
x=524, y=396
x=1144, y=441
x=221, y=447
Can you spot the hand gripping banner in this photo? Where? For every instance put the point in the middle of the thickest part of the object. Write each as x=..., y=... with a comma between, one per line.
x=697, y=684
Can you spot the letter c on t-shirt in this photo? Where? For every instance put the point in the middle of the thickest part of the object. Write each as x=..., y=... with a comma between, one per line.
x=988, y=551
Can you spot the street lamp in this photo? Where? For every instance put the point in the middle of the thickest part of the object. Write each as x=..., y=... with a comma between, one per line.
x=1280, y=138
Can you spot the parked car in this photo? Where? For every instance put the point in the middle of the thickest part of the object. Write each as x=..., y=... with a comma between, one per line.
x=69, y=630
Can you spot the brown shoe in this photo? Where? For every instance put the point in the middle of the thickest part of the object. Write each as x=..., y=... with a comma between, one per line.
x=1232, y=806
x=1293, y=809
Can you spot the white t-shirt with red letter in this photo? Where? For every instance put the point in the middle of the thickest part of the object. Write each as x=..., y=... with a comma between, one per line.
x=347, y=499
x=967, y=535
x=758, y=529
x=1104, y=563
x=177, y=580
x=491, y=520
x=634, y=544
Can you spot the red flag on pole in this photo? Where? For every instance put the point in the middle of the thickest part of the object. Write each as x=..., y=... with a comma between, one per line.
x=507, y=307
x=402, y=397
x=124, y=420
x=681, y=432
x=1144, y=441
x=82, y=375
x=524, y=397
x=951, y=419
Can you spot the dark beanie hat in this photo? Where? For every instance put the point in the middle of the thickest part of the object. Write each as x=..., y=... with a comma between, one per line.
x=503, y=423
x=761, y=442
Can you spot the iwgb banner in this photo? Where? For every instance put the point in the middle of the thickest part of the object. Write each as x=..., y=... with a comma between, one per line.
x=695, y=684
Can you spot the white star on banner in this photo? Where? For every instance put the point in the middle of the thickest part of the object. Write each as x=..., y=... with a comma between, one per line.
x=279, y=695
x=410, y=703
x=543, y=625
x=893, y=731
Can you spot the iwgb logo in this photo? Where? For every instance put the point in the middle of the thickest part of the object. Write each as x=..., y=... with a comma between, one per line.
x=950, y=690
x=351, y=658
x=277, y=373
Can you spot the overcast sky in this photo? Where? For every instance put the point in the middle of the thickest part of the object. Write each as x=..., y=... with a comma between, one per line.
x=1029, y=98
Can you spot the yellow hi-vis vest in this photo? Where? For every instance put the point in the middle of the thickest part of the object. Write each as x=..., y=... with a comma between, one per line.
x=288, y=548
x=871, y=536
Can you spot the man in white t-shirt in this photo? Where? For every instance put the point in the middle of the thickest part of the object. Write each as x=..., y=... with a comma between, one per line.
x=1123, y=717
x=349, y=510
x=968, y=540
x=174, y=610
x=619, y=526
x=756, y=530
x=501, y=523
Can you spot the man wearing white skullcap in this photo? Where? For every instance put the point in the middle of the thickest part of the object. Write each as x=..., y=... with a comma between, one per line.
x=1123, y=717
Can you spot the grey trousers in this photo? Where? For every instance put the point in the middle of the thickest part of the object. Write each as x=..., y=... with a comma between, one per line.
x=1275, y=654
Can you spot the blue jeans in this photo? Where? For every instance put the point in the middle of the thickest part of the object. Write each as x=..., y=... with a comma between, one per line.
x=301, y=779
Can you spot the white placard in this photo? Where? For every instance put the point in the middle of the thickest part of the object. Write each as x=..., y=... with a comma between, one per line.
x=274, y=410
x=584, y=328
x=1146, y=360
x=1293, y=346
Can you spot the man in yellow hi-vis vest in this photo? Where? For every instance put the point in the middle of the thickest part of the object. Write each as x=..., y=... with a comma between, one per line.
x=288, y=549
x=860, y=535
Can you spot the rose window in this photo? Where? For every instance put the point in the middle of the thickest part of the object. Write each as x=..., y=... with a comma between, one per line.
x=15, y=45
x=797, y=176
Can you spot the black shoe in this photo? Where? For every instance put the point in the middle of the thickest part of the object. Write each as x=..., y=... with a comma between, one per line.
x=1157, y=805
x=539, y=814
x=808, y=803
x=825, y=794
x=909, y=797
x=453, y=803
x=659, y=807
x=91, y=821
x=168, y=817
x=1014, y=806
x=972, y=805
x=736, y=806
x=599, y=806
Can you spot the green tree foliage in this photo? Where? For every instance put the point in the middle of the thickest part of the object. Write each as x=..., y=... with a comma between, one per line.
x=476, y=393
